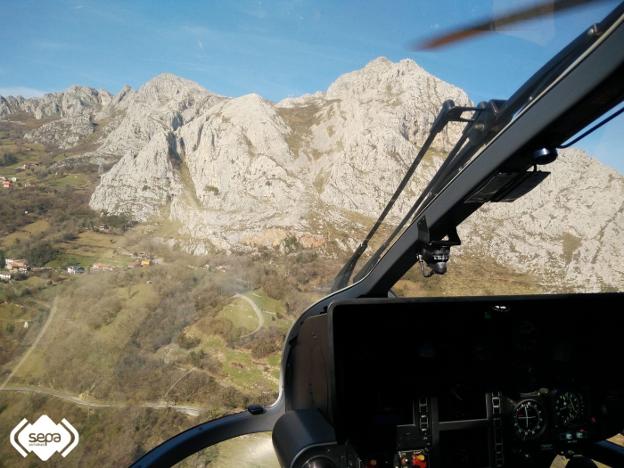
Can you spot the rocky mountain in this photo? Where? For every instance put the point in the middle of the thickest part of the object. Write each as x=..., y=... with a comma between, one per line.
x=75, y=101
x=67, y=118
x=569, y=229
x=228, y=169
x=159, y=107
x=238, y=173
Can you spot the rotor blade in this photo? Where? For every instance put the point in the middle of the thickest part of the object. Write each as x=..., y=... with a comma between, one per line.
x=483, y=26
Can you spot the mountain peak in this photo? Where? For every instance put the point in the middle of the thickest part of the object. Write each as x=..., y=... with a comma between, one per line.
x=379, y=62
x=167, y=86
x=80, y=89
x=167, y=77
x=384, y=80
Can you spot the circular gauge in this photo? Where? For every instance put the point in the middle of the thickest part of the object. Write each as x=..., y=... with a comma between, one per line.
x=528, y=419
x=568, y=408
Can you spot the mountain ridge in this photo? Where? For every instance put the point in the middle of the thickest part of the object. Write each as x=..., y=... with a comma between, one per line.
x=240, y=173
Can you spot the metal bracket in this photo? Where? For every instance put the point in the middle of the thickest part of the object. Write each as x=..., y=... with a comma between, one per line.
x=435, y=254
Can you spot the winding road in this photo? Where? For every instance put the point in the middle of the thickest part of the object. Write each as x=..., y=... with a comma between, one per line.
x=33, y=345
x=76, y=399
x=172, y=386
x=186, y=409
x=258, y=312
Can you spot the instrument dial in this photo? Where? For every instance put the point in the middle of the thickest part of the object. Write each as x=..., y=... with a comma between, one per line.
x=569, y=408
x=528, y=420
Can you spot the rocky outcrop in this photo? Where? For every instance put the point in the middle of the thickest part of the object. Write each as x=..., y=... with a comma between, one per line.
x=247, y=164
x=369, y=126
x=160, y=106
x=63, y=133
x=567, y=228
x=10, y=105
x=150, y=172
x=140, y=184
x=73, y=102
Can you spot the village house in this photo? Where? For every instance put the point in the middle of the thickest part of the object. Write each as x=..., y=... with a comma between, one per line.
x=5, y=276
x=75, y=270
x=7, y=184
x=16, y=264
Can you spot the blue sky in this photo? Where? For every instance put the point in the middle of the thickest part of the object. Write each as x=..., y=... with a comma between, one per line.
x=274, y=48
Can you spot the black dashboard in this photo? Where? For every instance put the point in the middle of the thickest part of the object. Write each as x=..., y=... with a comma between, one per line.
x=461, y=382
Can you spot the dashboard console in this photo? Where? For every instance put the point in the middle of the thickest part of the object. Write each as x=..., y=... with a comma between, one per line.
x=455, y=382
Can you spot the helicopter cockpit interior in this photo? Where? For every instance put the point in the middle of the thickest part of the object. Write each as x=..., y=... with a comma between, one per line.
x=372, y=380
x=454, y=382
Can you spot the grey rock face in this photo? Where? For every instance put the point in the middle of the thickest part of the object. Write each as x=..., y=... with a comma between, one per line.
x=247, y=164
x=370, y=125
x=64, y=133
x=567, y=228
x=140, y=184
x=10, y=105
x=160, y=106
x=75, y=101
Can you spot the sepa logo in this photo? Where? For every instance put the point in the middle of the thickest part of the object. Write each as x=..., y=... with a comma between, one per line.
x=44, y=437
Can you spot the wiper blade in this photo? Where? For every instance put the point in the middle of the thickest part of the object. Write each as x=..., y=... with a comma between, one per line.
x=448, y=113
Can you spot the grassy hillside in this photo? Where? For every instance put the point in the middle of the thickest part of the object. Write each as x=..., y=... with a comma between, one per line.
x=170, y=334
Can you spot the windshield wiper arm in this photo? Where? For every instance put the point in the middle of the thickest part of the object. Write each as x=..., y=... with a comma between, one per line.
x=448, y=113
x=480, y=128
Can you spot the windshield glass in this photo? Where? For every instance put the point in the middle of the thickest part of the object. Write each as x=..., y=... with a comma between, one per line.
x=179, y=182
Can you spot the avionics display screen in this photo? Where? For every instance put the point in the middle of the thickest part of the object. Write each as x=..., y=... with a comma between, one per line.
x=388, y=353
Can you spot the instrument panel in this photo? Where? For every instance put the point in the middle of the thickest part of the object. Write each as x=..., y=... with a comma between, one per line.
x=500, y=430
x=454, y=382
x=473, y=382
x=490, y=429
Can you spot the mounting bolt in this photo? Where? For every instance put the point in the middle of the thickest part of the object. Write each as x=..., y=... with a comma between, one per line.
x=255, y=409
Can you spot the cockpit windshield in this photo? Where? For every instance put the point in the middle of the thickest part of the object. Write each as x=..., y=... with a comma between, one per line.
x=180, y=181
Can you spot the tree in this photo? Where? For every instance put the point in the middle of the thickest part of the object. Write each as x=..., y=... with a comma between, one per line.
x=2, y=259
x=7, y=159
x=40, y=253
